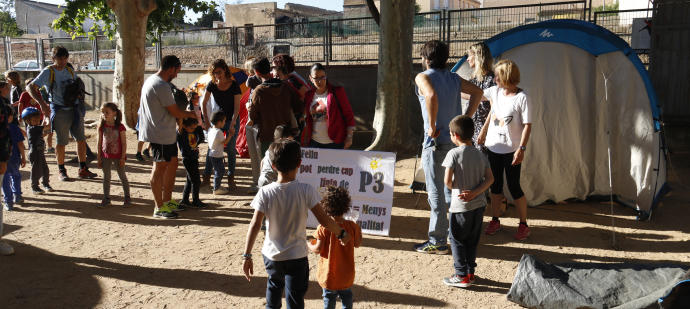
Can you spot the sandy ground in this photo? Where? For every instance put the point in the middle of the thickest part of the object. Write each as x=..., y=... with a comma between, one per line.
x=70, y=254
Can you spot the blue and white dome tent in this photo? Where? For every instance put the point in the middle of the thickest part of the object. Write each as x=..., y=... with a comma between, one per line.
x=584, y=81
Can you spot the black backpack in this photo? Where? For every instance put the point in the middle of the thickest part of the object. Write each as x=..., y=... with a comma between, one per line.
x=74, y=91
x=180, y=97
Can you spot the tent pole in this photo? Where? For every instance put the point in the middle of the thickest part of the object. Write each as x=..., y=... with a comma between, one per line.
x=608, y=133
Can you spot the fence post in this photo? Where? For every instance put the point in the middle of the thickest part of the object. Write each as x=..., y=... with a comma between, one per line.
x=447, y=25
x=94, y=51
x=590, y=12
x=40, y=55
x=159, y=51
x=7, y=53
x=37, y=53
x=326, y=40
x=235, y=44
x=329, y=33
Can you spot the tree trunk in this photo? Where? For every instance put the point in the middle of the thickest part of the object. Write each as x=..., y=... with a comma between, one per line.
x=130, y=54
x=394, y=120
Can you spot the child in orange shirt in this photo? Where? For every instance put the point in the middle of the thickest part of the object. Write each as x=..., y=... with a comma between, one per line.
x=337, y=263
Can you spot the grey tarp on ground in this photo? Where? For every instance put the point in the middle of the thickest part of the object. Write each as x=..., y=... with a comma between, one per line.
x=591, y=285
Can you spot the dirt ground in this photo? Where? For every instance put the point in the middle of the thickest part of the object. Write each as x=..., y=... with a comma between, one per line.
x=70, y=254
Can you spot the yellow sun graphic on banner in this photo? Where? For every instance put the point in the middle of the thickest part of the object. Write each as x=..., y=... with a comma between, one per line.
x=375, y=163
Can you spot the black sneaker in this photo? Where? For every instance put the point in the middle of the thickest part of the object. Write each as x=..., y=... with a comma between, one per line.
x=48, y=188
x=104, y=203
x=127, y=202
x=147, y=154
x=18, y=199
x=139, y=157
x=185, y=204
x=37, y=190
x=63, y=175
x=199, y=204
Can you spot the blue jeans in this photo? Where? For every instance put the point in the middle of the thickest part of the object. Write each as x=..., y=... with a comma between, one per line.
x=291, y=276
x=438, y=194
x=330, y=298
x=12, y=183
x=229, y=149
x=218, y=171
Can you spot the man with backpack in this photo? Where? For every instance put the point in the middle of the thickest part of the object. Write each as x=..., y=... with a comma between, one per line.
x=64, y=109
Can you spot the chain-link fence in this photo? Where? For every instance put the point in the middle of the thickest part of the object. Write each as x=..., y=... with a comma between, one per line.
x=342, y=41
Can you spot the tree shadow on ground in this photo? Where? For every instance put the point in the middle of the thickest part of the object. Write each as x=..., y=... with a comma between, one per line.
x=35, y=272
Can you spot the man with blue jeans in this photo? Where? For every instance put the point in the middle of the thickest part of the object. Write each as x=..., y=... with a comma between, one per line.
x=438, y=91
x=65, y=117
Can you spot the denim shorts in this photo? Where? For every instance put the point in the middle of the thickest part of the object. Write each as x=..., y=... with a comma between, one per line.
x=64, y=124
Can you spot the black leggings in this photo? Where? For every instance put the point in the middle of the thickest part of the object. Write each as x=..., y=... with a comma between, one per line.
x=503, y=162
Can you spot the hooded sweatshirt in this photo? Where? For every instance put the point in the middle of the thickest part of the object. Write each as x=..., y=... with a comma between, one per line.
x=274, y=103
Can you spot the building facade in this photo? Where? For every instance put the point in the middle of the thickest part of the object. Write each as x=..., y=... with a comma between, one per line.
x=268, y=13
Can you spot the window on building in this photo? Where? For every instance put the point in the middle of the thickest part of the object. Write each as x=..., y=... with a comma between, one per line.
x=248, y=34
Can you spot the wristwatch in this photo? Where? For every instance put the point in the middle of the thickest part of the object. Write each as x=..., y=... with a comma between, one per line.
x=342, y=234
x=246, y=256
x=523, y=148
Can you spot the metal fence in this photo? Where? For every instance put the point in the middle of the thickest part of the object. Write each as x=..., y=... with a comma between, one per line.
x=339, y=41
x=621, y=23
x=467, y=27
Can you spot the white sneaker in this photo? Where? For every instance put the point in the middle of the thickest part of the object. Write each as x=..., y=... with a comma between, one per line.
x=220, y=191
x=5, y=248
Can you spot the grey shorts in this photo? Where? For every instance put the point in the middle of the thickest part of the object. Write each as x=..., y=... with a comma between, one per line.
x=64, y=124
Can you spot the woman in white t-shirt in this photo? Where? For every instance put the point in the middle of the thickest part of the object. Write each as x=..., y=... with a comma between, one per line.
x=505, y=135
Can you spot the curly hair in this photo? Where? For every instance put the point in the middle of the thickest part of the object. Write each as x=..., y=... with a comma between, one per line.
x=219, y=64
x=336, y=201
x=283, y=63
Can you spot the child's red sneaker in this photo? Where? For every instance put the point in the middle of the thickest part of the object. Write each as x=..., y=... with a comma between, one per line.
x=522, y=232
x=494, y=226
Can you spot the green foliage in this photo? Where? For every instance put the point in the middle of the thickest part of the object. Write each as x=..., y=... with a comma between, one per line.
x=8, y=25
x=207, y=19
x=167, y=16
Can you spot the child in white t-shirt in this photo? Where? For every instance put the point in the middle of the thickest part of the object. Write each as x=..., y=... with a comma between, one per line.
x=216, y=144
x=505, y=135
x=268, y=174
x=285, y=203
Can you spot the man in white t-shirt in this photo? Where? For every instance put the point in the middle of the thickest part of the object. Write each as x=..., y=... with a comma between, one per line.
x=157, y=113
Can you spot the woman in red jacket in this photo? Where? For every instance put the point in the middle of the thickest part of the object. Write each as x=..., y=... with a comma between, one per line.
x=329, y=118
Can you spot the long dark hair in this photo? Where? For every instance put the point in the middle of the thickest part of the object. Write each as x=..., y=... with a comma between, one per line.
x=118, y=115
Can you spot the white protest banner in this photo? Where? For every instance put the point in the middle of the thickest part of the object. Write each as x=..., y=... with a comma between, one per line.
x=368, y=175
